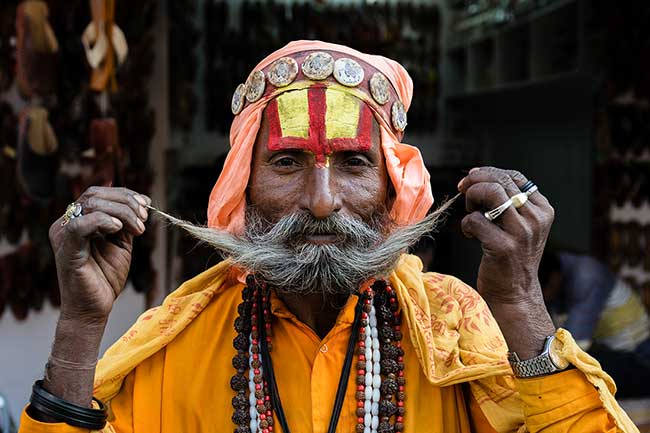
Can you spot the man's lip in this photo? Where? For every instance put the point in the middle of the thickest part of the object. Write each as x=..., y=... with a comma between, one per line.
x=321, y=239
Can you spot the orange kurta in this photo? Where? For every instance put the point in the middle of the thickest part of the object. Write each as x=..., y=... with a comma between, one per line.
x=183, y=386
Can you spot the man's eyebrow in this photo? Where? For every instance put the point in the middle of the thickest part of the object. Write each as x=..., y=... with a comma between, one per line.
x=290, y=150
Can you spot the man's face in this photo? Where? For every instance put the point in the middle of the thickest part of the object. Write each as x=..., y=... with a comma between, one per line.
x=323, y=157
x=317, y=219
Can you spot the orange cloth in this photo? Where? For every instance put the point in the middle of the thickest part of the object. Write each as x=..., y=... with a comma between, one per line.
x=170, y=372
x=404, y=163
x=184, y=387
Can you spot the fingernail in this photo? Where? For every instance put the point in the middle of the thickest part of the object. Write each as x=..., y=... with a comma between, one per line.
x=143, y=212
x=140, y=200
x=460, y=184
x=474, y=169
x=140, y=225
x=117, y=222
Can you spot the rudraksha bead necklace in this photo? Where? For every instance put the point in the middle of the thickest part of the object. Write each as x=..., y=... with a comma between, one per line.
x=380, y=382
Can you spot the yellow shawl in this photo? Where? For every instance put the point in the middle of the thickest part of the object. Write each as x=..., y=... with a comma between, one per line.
x=454, y=334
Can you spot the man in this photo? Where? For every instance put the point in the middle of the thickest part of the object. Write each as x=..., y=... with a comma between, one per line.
x=317, y=322
x=603, y=313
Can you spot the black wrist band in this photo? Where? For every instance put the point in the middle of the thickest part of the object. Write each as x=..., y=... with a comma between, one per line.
x=71, y=414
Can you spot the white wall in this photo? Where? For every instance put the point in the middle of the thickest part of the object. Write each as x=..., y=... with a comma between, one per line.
x=25, y=346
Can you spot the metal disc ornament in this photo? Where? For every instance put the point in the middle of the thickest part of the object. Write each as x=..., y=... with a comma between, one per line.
x=255, y=86
x=282, y=72
x=379, y=88
x=318, y=65
x=237, y=103
x=348, y=72
x=398, y=114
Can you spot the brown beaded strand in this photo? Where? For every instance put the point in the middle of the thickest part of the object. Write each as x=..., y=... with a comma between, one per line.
x=401, y=380
x=239, y=382
x=392, y=360
x=266, y=412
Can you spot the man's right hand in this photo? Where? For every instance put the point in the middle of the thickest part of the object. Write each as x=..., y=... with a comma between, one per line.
x=93, y=251
x=93, y=256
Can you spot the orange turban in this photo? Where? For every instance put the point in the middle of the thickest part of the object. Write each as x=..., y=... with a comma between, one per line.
x=404, y=163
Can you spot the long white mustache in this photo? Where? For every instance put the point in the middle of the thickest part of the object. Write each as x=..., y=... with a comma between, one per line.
x=280, y=255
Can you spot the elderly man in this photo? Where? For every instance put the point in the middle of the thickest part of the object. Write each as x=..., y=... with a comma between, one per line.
x=317, y=321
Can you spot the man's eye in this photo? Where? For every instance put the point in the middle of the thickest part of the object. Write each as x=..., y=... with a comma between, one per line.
x=356, y=162
x=285, y=162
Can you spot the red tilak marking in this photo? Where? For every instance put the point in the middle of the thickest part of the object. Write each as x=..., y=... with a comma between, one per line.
x=317, y=111
x=317, y=143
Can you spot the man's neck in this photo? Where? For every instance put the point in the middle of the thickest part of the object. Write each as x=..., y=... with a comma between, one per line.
x=318, y=311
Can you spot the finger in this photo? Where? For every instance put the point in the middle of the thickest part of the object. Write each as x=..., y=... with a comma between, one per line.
x=537, y=198
x=492, y=237
x=123, y=212
x=490, y=174
x=134, y=200
x=486, y=196
x=506, y=178
x=91, y=224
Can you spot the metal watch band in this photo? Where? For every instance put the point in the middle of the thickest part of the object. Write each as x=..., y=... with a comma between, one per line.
x=538, y=366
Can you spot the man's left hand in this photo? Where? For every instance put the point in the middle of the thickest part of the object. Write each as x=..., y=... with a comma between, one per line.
x=512, y=249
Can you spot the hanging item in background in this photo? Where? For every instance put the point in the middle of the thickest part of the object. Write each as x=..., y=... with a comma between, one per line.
x=68, y=138
x=37, y=154
x=104, y=155
x=104, y=44
x=37, y=49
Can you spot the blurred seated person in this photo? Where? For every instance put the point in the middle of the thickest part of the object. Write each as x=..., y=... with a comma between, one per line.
x=604, y=314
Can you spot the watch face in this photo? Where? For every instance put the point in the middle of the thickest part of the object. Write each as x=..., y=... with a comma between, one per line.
x=554, y=354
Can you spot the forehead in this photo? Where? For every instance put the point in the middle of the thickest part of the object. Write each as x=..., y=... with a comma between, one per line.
x=319, y=120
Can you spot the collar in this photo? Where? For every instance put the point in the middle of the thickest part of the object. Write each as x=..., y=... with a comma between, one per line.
x=345, y=316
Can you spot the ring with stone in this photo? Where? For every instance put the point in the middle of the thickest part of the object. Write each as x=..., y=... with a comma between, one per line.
x=496, y=212
x=517, y=201
x=73, y=211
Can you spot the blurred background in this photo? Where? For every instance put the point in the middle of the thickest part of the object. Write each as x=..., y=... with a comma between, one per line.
x=137, y=94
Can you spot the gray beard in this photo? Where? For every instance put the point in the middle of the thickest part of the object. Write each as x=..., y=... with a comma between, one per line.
x=279, y=254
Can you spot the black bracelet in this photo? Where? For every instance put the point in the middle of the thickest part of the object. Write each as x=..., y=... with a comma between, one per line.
x=71, y=414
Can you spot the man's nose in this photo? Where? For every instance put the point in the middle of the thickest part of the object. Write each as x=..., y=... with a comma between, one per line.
x=322, y=197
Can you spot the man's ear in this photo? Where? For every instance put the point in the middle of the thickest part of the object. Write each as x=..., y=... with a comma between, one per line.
x=391, y=194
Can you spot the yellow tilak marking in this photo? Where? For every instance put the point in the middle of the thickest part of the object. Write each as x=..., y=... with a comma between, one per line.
x=293, y=110
x=342, y=117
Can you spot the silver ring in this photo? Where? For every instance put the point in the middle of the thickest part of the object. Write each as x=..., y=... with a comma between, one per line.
x=517, y=201
x=74, y=210
x=496, y=212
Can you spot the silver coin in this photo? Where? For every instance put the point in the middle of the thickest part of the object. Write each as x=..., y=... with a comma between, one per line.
x=348, y=72
x=318, y=65
x=255, y=86
x=398, y=114
x=282, y=72
x=237, y=103
x=379, y=88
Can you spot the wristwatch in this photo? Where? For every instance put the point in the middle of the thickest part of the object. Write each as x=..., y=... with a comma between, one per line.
x=550, y=361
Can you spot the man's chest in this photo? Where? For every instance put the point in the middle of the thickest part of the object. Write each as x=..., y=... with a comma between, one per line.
x=196, y=393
